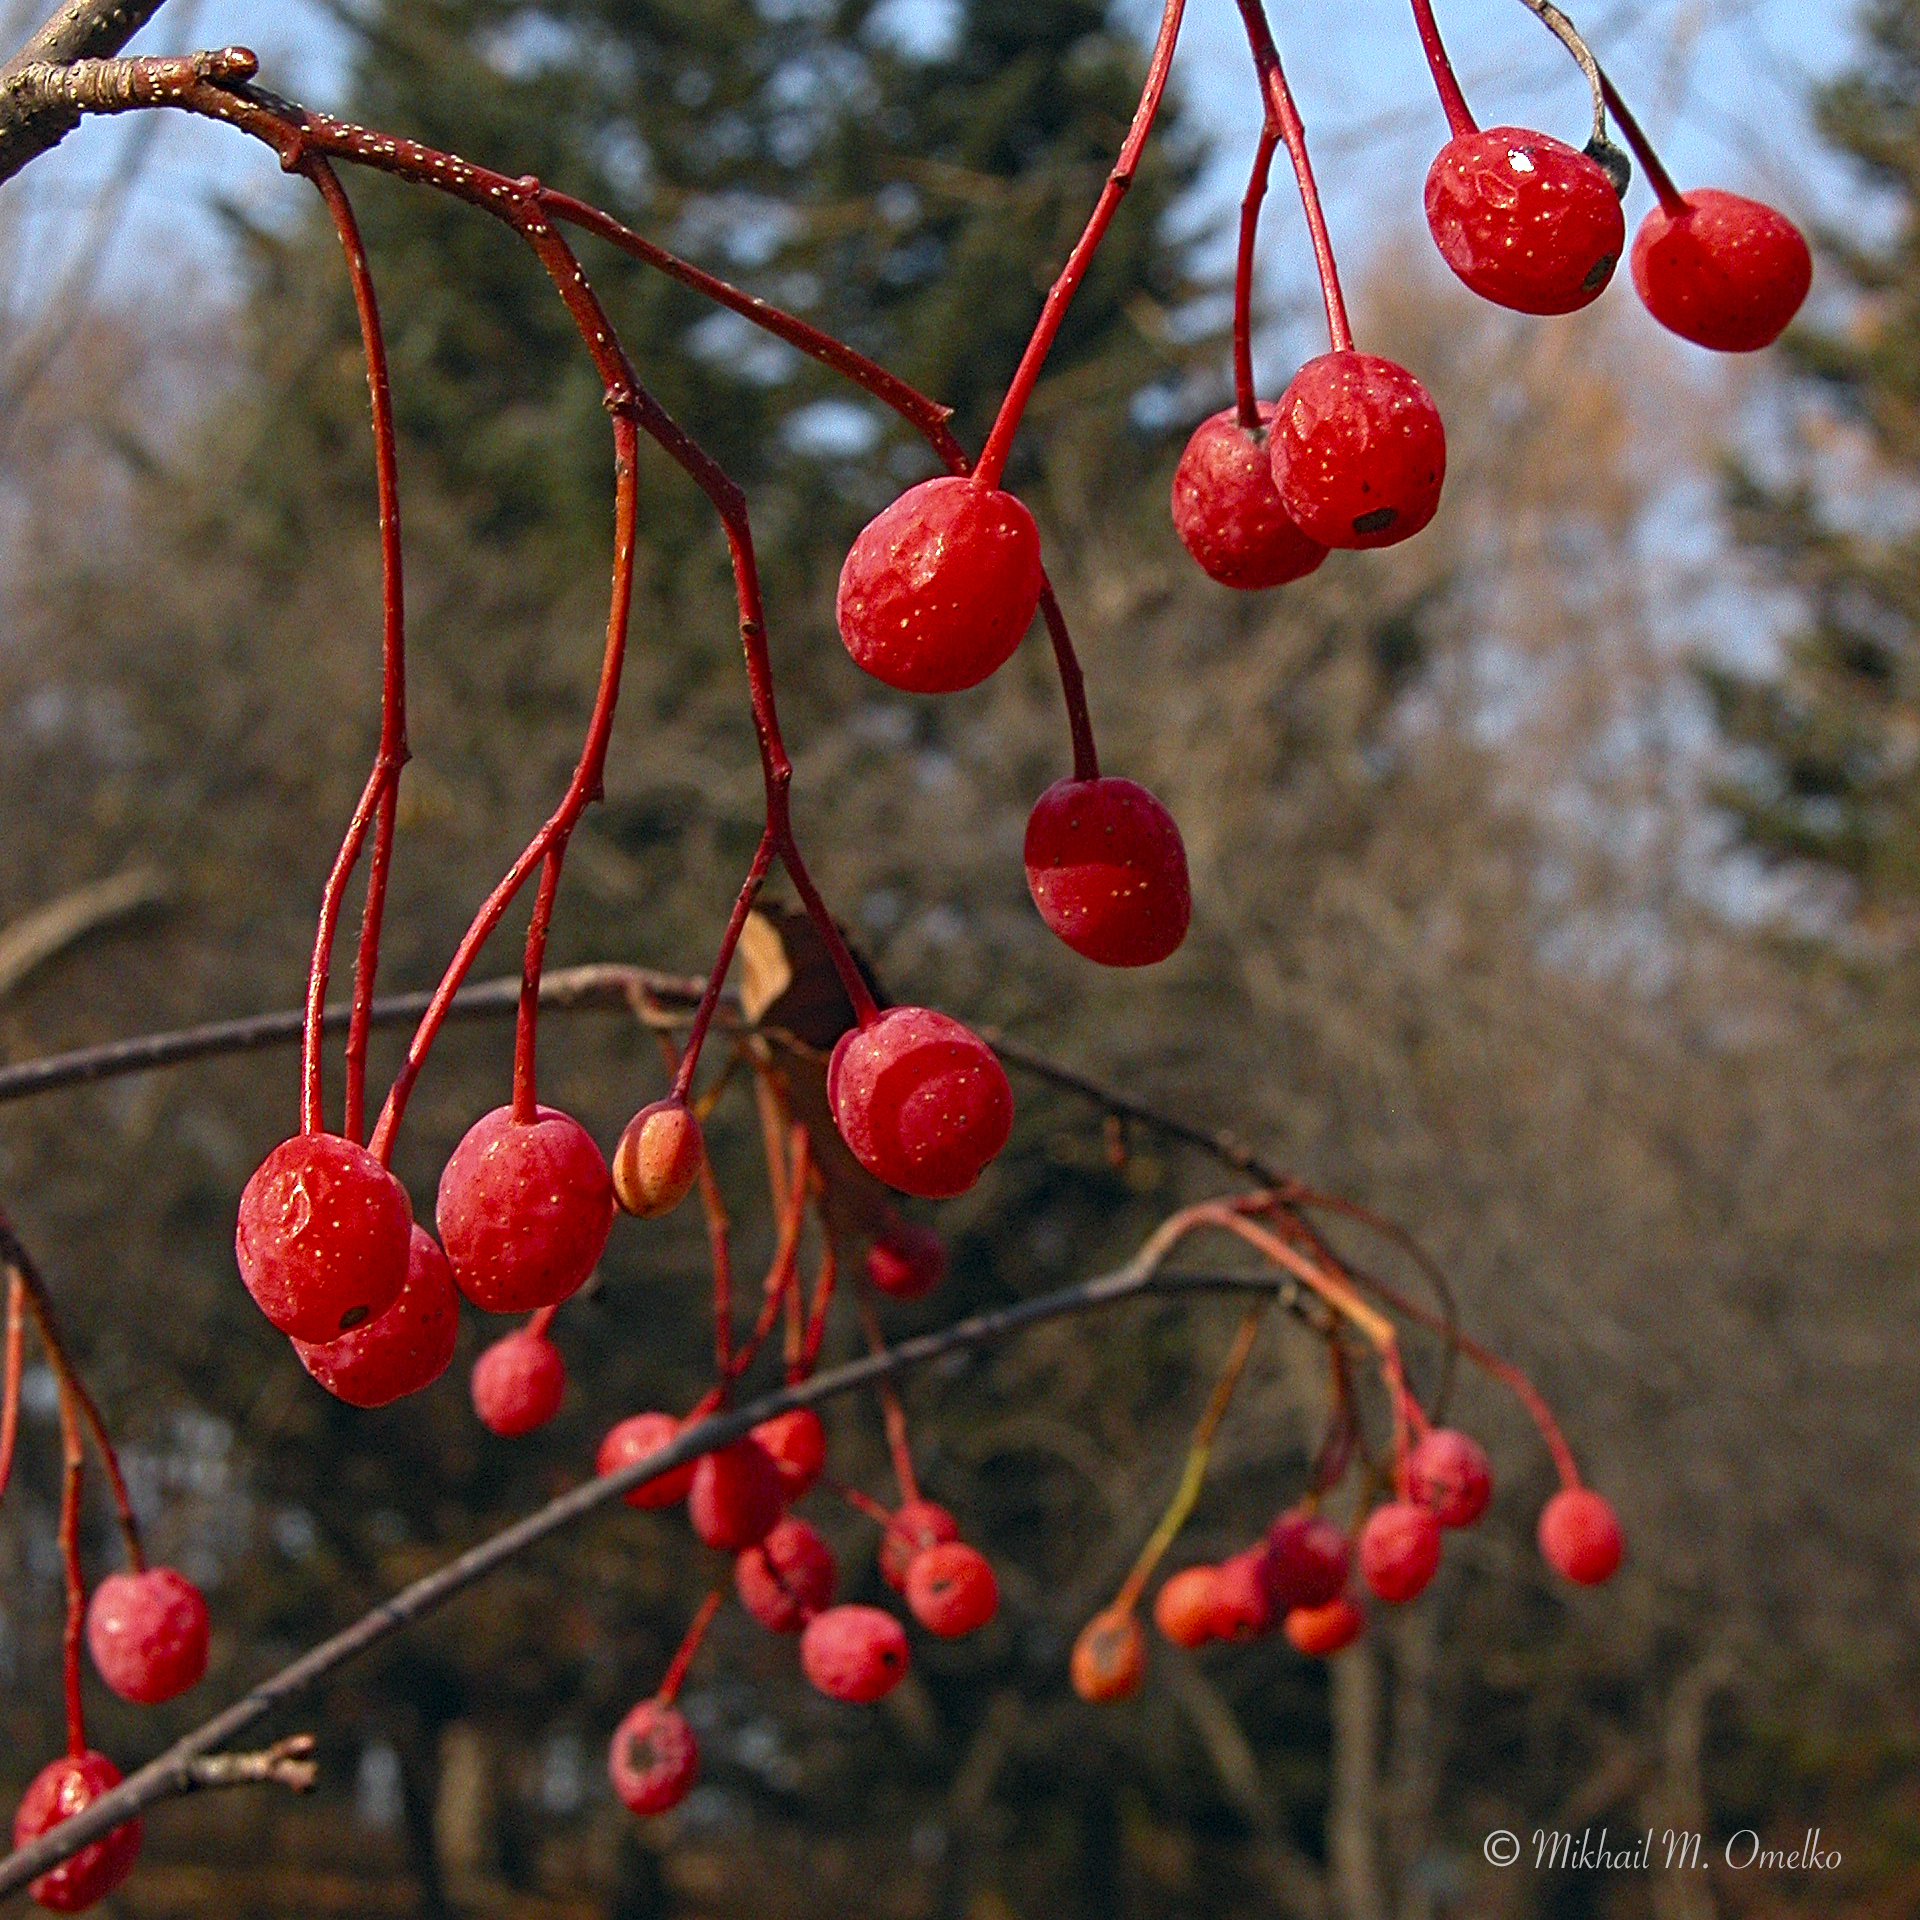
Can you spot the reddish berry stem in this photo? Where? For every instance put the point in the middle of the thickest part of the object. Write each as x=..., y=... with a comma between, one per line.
x=893, y=1415
x=10, y=1385
x=1658, y=178
x=783, y=1276
x=817, y=1316
x=72, y=1466
x=669, y=1688
x=1453, y=103
x=1246, y=402
x=860, y=1502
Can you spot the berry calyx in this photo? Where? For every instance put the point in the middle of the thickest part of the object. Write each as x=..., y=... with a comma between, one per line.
x=854, y=1653
x=402, y=1350
x=634, y=1438
x=1306, y=1561
x=1320, y=1631
x=1183, y=1608
x=524, y=1210
x=1109, y=1658
x=951, y=1590
x=920, y=1101
x=1107, y=869
x=1399, y=1550
x=518, y=1383
x=1449, y=1473
x=787, y=1578
x=657, y=1159
x=736, y=1496
x=1358, y=451
x=1579, y=1536
x=652, y=1758
x=1227, y=510
x=915, y=1526
x=1723, y=272
x=147, y=1633
x=1525, y=220
x=940, y=587
x=796, y=1443
x=1241, y=1608
x=907, y=1262
x=322, y=1236
x=57, y=1792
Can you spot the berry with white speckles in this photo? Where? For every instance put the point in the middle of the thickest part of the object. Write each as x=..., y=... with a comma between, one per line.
x=1107, y=869
x=1723, y=272
x=1227, y=510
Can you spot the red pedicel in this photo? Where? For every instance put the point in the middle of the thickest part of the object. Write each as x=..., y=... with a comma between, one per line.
x=787, y=1578
x=736, y=1496
x=1726, y=273
x=1306, y=1563
x=1320, y=1631
x=518, y=1383
x=1227, y=510
x=633, y=1439
x=1449, y=1472
x=951, y=1590
x=57, y=1792
x=1183, y=1608
x=796, y=1443
x=907, y=1262
x=1399, y=1550
x=652, y=1758
x=147, y=1633
x=402, y=1350
x=854, y=1653
x=1107, y=869
x=1109, y=1657
x=915, y=1526
x=1579, y=1536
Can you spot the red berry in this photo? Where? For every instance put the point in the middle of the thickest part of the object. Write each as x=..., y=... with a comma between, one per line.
x=915, y=1526
x=518, y=1383
x=322, y=1236
x=658, y=1159
x=787, y=1578
x=1227, y=512
x=907, y=1262
x=736, y=1496
x=951, y=1590
x=940, y=588
x=1109, y=1658
x=1525, y=220
x=652, y=1759
x=1579, y=1536
x=1306, y=1563
x=1449, y=1472
x=1358, y=451
x=1319, y=1631
x=1241, y=1609
x=634, y=1439
x=524, y=1209
x=57, y=1792
x=147, y=1633
x=1108, y=872
x=921, y=1103
x=854, y=1653
x=402, y=1350
x=1399, y=1549
x=796, y=1443
x=1183, y=1608
x=1726, y=273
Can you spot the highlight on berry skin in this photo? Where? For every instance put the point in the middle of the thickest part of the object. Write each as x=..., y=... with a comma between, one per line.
x=57, y=1792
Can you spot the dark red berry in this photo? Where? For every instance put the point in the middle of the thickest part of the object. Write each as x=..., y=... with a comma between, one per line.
x=1399, y=1549
x=1241, y=1608
x=322, y=1236
x=787, y=1578
x=921, y=1103
x=524, y=1209
x=951, y=1590
x=907, y=1262
x=57, y=1792
x=940, y=587
x=796, y=1443
x=1306, y=1563
x=402, y=1350
x=915, y=1526
x=634, y=1439
x=736, y=1496
x=854, y=1653
x=1726, y=273
x=652, y=1759
x=1107, y=869
x=1109, y=1658
x=658, y=1159
x=147, y=1633
x=1320, y=1631
x=1227, y=511
x=1358, y=451
x=1525, y=220
x=518, y=1383
x=1183, y=1608
x=1579, y=1536
x=1449, y=1472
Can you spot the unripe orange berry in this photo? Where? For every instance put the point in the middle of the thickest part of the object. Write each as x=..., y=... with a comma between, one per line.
x=1109, y=1658
x=1183, y=1608
x=658, y=1159
x=1321, y=1631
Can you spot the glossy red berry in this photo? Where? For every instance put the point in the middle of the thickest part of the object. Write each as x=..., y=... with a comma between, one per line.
x=736, y=1496
x=1320, y=1631
x=1358, y=451
x=907, y=1262
x=854, y=1653
x=796, y=1443
x=940, y=587
x=402, y=1350
x=1306, y=1561
x=524, y=1209
x=657, y=1159
x=634, y=1439
x=1525, y=220
x=1107, y=869
x=518, y=1383
x=951, y=1590
x=921, y=1103
x=57, y=1792
x=787, y=1578
x=1227, y=511
x=147, y=1633
x=322, y=1236
x=1399, y=1549
x=1450, y=1473
x=1109, y=1658
x=1183, y=1608
x=915, y=1526
x=1725, y=273
x=1241, y=1608
x=1579, y=1536
x=652, y=1758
